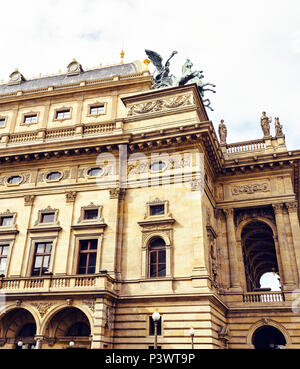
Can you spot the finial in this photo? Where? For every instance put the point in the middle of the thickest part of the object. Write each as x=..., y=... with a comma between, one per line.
x=147, y=62
x=122, y=56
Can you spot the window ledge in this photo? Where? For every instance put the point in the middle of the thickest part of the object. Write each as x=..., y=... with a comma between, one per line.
x=156, y=221
x=8, y=230
x=45, y=229
x=89, y=225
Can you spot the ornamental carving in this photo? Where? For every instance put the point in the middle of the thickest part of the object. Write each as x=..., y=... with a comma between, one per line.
x=244, y=214
x=117, y=193
x=90, y=304
x=292, y=206
x=160, y=105
x=109, y=317
x=28, y=200
x=70, y=196
x=250, y=188
x=42, y=307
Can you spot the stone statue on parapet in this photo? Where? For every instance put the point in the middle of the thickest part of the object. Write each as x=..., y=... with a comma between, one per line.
x=163, y=79
x=278, y=128
x=265, y=124
x=222, y=132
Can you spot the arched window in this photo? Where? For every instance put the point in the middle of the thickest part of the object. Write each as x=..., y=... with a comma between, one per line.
x=157, y=258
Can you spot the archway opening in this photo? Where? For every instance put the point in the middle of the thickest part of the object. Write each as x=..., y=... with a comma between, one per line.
x=268, y=337
x=19, y=328
x=69, y=325
x=259, y=255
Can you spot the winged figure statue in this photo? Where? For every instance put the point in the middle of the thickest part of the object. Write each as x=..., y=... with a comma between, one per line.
x=161, y=77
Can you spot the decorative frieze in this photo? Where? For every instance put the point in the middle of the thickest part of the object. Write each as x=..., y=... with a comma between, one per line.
x=160, y=105
x=250, y=188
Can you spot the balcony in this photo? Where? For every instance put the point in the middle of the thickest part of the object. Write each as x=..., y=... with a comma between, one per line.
x=52, y=284
x=263, y=297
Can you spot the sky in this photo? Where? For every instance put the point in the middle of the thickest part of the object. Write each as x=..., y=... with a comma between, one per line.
x=249, y=49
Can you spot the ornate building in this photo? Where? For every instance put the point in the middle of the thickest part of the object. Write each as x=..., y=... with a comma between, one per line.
x=117, y=200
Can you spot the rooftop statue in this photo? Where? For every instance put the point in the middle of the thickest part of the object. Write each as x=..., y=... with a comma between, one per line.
x=222, y=132
x=163, y=79
x=265, y=124
x=278, y=128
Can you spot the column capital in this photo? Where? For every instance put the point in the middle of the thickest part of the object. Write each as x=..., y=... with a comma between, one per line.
x=278, y=208
x=228, y=212
x=292, y=206
x=117, y=193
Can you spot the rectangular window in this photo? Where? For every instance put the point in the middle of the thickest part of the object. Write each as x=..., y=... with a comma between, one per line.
x=2, y=123
x=63, y=114
x=3, y=257
x=157, y=209
x=87, y=256
x=151, y=327
x=47, y=218
x=30, y=118
x=95, y=110
x=41, y=260
x=91, y=214
x=7, y=221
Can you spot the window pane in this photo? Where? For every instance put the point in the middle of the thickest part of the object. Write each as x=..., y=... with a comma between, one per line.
x=2, y=265
x=91, y=270
x=53, y=176
x=92, y=259
x=82, y=260
x=7, y=221
x=153, y=257
x=48, y=218
x=93, y=244
x=94, y=172
x=157, y=209
x=2, y=122
x=4, y=250
x=91, y=214
x=40, y=247
x=162, y=256
x=157, y=242
x=161, y=270
x=14, y=180
x=48, y=247
x=46, y=261
x=153, y=270
x=84, y=245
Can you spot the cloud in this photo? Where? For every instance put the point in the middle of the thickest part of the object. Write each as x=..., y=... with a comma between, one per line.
x=250, y=50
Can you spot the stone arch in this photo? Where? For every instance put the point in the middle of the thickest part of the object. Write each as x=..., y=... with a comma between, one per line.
x=257, y=218
x=51, y=314
x=151, y=236
x=30, y=309
x=267, y=322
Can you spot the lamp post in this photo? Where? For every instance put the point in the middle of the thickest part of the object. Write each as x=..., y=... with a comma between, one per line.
x=192, y=334
x=71, y=344
x=155, y=317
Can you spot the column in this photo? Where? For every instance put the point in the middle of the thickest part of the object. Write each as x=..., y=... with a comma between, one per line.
x=233, y=259
x=222, y=250
x=294, y=221
x=39, y=340
x=288, y=282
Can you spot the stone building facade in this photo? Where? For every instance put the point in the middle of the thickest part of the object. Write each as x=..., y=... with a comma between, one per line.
x=118, y=200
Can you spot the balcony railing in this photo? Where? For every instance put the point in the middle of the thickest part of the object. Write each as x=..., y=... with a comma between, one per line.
x=243, y=147
x=53, y=284
x=263, y=297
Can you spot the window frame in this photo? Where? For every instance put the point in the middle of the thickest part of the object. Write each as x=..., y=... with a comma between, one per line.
x=156, y=250
x=4, y=119
x=95, y=105
x=62, y=109
x=76, y=248
x=2, y=245
x=35, y=255
x=42, y=212
x=88, y=252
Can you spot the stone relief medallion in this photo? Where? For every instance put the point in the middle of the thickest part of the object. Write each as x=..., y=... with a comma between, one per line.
x=42, y=307
x=160, y=105
x=250, y=188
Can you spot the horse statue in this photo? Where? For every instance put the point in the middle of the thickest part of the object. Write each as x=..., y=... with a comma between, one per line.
x=189, y=76
x=161, y=77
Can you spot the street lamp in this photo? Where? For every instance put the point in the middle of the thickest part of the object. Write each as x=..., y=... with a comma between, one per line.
x=192, y=334
x=71, y=343
x=155, y=317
